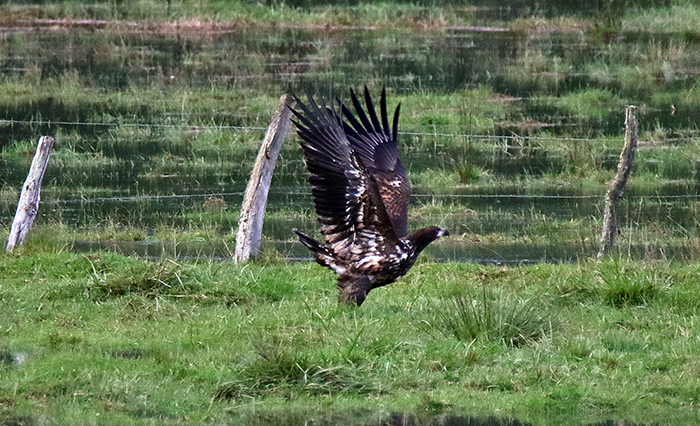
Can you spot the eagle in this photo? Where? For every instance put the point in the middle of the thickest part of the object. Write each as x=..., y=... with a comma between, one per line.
x=361, y=193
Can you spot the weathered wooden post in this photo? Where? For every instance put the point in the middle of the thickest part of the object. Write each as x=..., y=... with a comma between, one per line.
x=28, y=205
x=250, y=222
x=617, y=185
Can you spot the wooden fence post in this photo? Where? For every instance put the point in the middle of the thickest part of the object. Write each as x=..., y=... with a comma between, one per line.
x=617, y=185
x=250, y=222
x=28, y=205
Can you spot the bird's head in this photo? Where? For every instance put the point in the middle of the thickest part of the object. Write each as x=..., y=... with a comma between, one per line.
x=424, y=236
x=436, y=232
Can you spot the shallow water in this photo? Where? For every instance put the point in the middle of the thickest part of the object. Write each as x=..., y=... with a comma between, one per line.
x=392, y=419
x=132, y=192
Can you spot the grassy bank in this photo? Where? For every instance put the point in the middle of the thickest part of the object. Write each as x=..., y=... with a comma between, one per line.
x=108, y=339
x=225, y=15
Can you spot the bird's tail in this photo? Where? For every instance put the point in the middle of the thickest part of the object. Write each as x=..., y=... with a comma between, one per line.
x=321, y=253
x=309, y=242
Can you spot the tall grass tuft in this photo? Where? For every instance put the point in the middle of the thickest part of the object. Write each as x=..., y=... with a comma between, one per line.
x=281, y=368
x=620, y=286
x=492, y=318
x=144, y=278
x=468, y=172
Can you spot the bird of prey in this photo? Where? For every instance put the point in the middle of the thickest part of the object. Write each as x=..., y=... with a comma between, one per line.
x=361, y=194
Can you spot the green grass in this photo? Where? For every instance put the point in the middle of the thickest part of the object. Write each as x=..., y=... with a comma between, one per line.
x=469, y=317
x=143, y=342
x=217, y=14
x=679, y=18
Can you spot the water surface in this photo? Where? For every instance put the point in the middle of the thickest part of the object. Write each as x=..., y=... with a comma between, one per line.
x=151, y=168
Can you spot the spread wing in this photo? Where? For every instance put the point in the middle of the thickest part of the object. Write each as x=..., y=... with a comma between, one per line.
x=377, y=150
x=347, y=199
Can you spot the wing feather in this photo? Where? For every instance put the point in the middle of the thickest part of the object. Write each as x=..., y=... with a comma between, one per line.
x=377, y=150
x=373, y=116
x=347, y=199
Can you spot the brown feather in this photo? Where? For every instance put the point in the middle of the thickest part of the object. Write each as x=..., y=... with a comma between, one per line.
x=361, y=193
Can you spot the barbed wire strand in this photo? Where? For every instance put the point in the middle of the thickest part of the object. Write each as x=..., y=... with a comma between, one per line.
x=254, y=128
x=156, y=197
x=5, y=122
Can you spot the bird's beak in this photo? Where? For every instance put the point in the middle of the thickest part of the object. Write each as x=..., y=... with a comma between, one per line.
x=444, y=232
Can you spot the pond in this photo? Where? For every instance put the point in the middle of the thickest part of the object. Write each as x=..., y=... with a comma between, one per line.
x=160, y=131
x=393, y=419
x=402, y=419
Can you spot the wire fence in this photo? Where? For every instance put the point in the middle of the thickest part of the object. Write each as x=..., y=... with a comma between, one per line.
x=524, y=214
x=306, y=192
x=11, y=122
x=273, y=191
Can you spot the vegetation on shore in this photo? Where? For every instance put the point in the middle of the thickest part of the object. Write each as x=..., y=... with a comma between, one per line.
x=677, y=16
x=102, y=336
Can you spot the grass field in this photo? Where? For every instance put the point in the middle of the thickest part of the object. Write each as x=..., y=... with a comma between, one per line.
x=137, y=342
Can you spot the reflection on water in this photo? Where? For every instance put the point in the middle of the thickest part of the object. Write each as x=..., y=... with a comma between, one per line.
x=452, y=420
x=142, y=176
x=8, y=358
x=398, y=419
x=296, y=60
x=395, y=419
x=401, y=419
